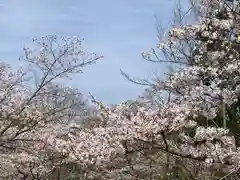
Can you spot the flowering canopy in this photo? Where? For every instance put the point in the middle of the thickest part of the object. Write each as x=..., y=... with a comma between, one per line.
x=128, y=141
x=205, y=102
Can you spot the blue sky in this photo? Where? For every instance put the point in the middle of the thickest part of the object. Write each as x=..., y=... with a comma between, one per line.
x=118, y=29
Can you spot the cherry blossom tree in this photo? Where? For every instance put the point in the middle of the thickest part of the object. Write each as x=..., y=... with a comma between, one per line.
x=205, y=79
x=35, y=104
